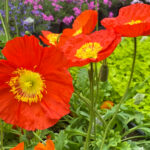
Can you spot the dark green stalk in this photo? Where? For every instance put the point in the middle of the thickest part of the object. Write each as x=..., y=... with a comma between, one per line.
x=86, y=146
x=38, y=137
x=96, y=76
x=17, y=31
x=123, y=98
x=1, y=125
x=97, y=17
x=88, y=103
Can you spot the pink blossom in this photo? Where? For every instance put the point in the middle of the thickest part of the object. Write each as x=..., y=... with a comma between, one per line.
x=47, y=18
x=77, y=11
x=40, y=7
x=105, y=2
x=111, y=14
x=68, y=20
x=91, y=5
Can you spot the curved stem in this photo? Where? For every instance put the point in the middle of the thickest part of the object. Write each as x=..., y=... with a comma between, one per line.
x=123, y=98
x=88, y=103
x=37, y=136
x=7, y=18
x=134, y=137
x=91, y=109
x=4, y=27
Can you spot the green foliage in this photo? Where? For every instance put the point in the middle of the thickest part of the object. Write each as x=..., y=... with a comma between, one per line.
x=120, y=64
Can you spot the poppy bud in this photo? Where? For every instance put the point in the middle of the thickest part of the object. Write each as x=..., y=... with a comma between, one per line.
x=107, y=105
x=104, y=70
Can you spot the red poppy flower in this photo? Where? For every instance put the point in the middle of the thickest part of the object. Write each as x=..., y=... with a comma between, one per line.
x=85, y=23
x=50, y=38
x=49, y=146
x=107, y=105
x=35, y=86
x=132, y=21
x=83, y=49
x=20, y=146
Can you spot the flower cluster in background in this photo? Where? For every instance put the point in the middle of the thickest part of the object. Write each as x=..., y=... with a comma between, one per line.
x=51, y=13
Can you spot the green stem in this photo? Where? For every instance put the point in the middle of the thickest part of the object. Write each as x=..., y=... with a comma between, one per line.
x=1, y=125
x=7, y=17
x=135, y=128
x=133, y=137
x=97, y=16
x=123, y=98
x=95, y=101
x=37, y=136
x=91, y=109
x=88, y=103
x=16, y=26
x=4, y=27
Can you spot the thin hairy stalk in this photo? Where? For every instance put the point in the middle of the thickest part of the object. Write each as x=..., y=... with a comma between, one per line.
x=133, y=137
x=88, y=103
x=4, y=27
x=1, y=126
x=123, y=98
x=38, y=137
x=86, y=145
x=7, y=18
x=97, y=12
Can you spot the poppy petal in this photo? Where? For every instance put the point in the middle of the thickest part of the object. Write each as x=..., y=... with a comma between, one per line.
x=23, y=51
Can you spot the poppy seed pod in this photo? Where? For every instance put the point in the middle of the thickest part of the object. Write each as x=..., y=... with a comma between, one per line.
x=104, y=70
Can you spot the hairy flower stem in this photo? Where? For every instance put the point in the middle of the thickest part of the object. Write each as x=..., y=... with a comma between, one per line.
x=97, y=16
x=92, y=107
x=96, y=97
x=1, y=126
x=7, y=18
x=88, y=103
x=38, y=137
x=4, y=27
x=123, y=98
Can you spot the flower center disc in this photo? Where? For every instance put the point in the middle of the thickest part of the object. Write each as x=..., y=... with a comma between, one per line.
x=27, y=86
x=89, y=50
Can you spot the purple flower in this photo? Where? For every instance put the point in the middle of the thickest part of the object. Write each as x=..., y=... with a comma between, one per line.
x=91, y=5
x=77, y=11
x=105, y=2
x=111, y=14
x=12, y=28
x=68, y=20
x=2, y=12
x=47, y=18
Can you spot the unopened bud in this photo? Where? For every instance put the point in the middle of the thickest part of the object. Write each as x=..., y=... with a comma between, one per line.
x=104, y=70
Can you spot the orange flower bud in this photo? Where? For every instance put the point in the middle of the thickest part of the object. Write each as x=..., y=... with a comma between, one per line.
x=107, y=105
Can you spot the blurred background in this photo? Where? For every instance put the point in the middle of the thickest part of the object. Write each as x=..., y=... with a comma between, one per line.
x=54, y=15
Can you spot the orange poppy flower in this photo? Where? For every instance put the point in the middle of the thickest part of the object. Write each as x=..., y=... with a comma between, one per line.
x=107, y=105
x=49, y=146
x=83, y=49
x=132, y=21
x=35, y=85
x=50, y=38
x=20, y=146
x=84, y=24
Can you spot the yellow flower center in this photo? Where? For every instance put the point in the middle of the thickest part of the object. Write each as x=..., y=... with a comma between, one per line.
x=132, y=22
x=89, y=50
x=78, y=32
x=27, y=86
x=53, y=38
